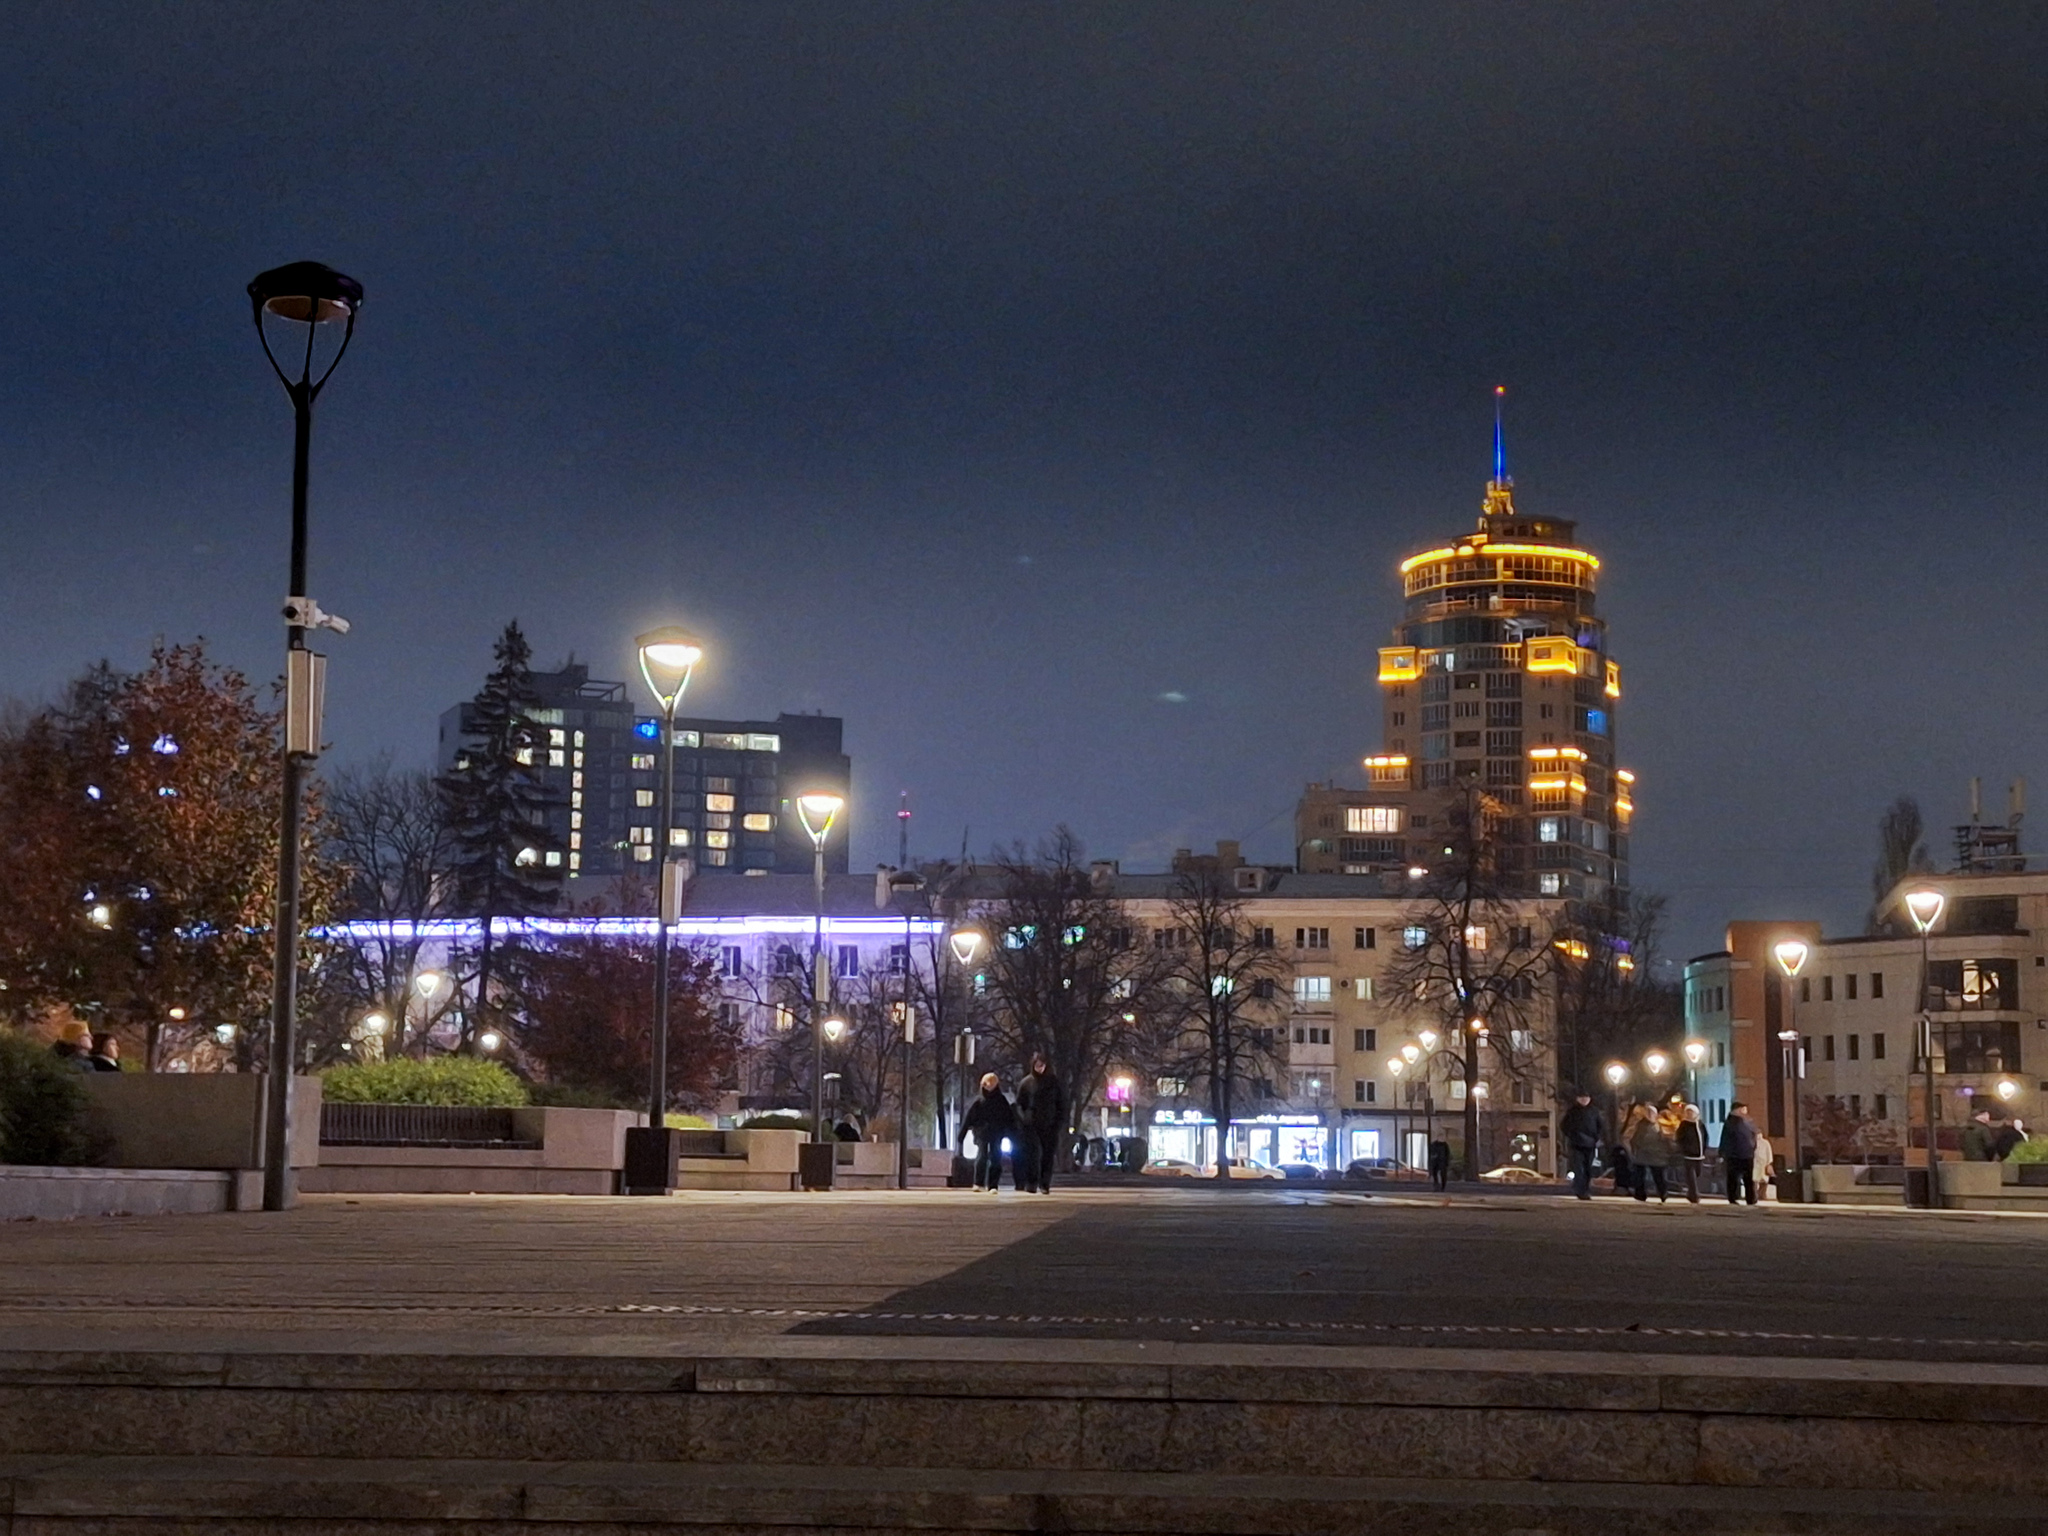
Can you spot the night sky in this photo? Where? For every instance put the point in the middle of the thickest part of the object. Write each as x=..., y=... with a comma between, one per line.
x=1051, y=389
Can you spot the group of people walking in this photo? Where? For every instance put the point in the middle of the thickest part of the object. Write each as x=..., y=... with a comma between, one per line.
x=1031, y=1127
x=1652, y=1140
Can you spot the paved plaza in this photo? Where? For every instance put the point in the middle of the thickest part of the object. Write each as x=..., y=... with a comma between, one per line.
x=1211, y=1266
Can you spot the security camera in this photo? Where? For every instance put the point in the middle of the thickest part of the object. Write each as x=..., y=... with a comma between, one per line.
x=304, y=613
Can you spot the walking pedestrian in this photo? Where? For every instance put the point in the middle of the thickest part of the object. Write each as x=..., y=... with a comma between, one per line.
x=1583, y=1129
x=1738, y=1155
x=991, y=1121
x=1440, y=1165
x=1649, y=1152
x=1041, y=1126
x=1691, y=1142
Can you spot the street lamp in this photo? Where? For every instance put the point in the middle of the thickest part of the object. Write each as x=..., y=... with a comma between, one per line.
x=1791, y=957
x=2008, y=1090
x=1656, y=1063
x=1695, y=1058
x=1616, y=1074
x=309, y=294
x=904, y=885
x=668, y=659
x=966, y=944
x=1925, y=907
x=817, y=812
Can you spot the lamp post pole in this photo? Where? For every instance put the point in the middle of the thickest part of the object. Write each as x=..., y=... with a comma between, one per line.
x=1791, y=957
x=668, y=658
x=817, y=812
x=1925, y=908
x=312, y=295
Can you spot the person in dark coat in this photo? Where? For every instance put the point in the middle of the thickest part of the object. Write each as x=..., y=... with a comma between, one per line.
x=106, y=1054
x=1738, y=1155
x=990, y=1120
x=1439, y=1165
x=2006, y=1138
x=1041, y=1126
x=74, y=1047
x=1583, y=1129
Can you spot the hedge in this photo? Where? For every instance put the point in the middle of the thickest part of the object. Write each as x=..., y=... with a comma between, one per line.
x=440, y=1080
x=42, y=1106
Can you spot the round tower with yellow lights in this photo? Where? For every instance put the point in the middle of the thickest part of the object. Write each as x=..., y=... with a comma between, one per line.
x=1500, y=677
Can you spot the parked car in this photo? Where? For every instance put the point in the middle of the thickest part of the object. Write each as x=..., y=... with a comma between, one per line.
x=1514, y=1173
x=1371, y=1168
x=1301, y=1172
x=1171, y=1168
x=1241, y=1170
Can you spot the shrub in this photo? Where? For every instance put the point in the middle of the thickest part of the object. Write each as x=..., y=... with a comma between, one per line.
x=442, y=1080
x=775, y=1123
x=2033, y=1150
x=42, y=1105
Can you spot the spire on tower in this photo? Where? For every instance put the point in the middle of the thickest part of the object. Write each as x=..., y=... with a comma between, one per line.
x=1500, y=500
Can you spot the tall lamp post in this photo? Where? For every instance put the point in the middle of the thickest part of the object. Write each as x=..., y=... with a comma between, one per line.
x=817, y=812
x=1410, y=1058
x=965, y=943
x=1428, y=1039
x=668, y=658
x=309, y=294
x=1925, y=908
x=904, y=885
x=1695, y=1058
x=1616, y=1074
x=1791, y=957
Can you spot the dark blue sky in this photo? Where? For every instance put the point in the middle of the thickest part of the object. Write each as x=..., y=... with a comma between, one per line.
x=984, y=373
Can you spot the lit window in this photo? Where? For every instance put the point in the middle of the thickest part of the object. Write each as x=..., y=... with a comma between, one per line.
x=1372, y=818
x=1311, y=989
x=687, y=739
x=1549, y=884
x=554, y=859
x=1546, y=829
x=718, y=802
x=579, y=738
x=575, y=820
x=557, y=759
x=523, y=755
x=758, y=822
x=643, y=855
x=640, y=835
x=558, y=738
x=527, y=857
x=575, y=842
x=643, y=797
x=785, y=1019
x=576, y=781
x=575, y=759
x=679, y=837
x=1363, y=987
x=1414, y=936
x=1475, y=937
x=644, y=761
x=717, y=839
x=575, y=862
x=760, y=743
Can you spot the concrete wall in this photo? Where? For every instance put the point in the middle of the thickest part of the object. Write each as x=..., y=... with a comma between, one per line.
x=60, y=1194
x=195, y=1120
x=580, y=1153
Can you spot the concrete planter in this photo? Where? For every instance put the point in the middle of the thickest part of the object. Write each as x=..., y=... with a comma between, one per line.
x=62, y=1194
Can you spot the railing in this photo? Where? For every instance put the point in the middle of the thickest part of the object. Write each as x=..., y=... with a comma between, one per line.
x=418, y=1125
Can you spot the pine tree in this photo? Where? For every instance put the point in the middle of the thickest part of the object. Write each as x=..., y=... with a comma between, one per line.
x=496, y=806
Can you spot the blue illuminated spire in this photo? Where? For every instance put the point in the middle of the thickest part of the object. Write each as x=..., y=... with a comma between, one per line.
x=1500, y=452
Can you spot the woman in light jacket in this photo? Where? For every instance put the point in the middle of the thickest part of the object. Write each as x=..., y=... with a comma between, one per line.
x=1649, y=1152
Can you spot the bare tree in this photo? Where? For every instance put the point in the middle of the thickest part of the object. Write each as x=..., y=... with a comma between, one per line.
x=1063, y=967
x=1609, y=1000
x=387, y=828
x=1217, y=985
x=1472, y=963
x=1900, y=852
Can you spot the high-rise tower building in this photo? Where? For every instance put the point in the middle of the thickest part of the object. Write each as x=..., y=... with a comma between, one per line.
x=1500, y=680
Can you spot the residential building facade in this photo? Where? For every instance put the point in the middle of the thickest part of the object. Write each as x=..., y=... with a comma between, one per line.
x=735, y=782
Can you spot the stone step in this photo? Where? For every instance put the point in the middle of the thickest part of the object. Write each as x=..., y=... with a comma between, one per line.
x=139, y=1496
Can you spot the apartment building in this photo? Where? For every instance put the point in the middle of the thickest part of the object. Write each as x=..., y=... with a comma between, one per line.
x=1856, y=1009
x=1501, y=677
